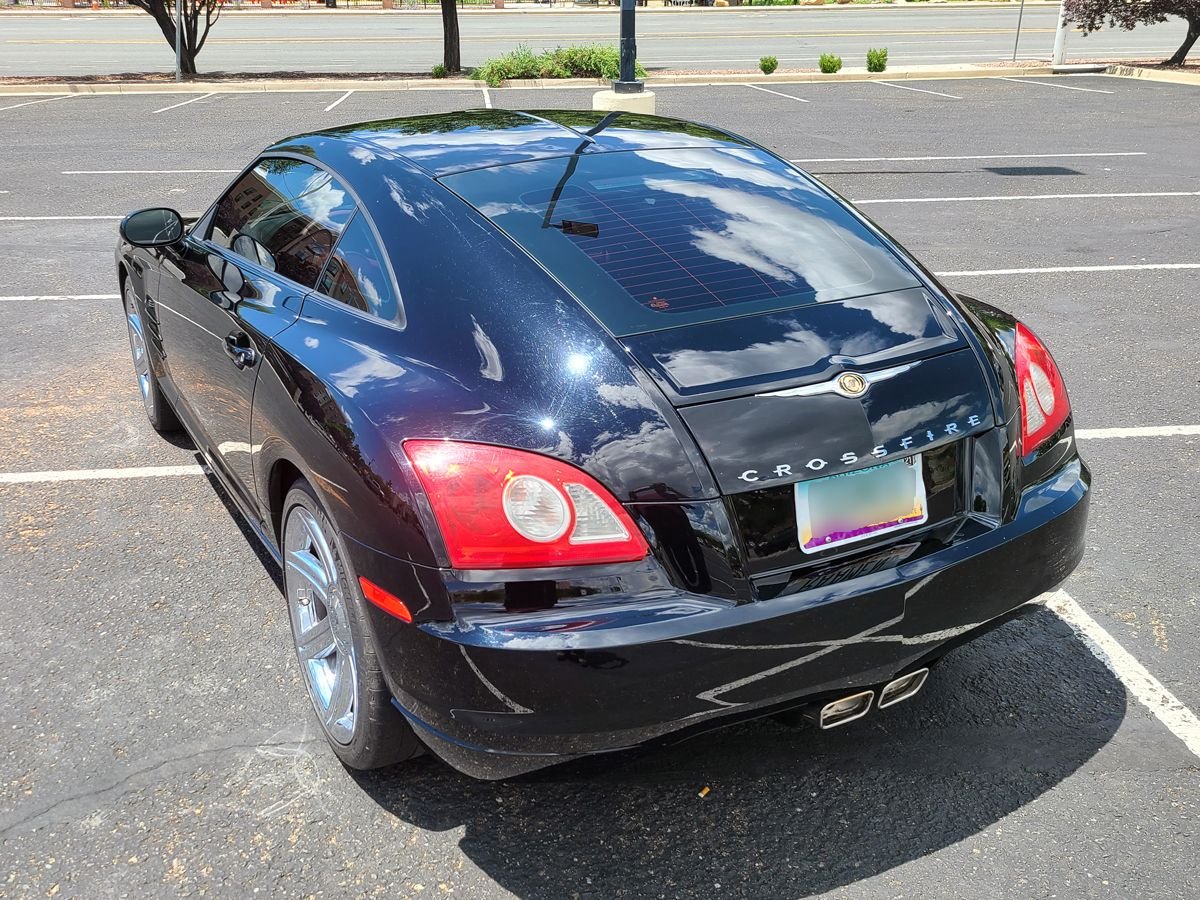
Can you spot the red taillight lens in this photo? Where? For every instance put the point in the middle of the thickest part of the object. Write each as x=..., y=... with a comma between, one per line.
x=1044, y=404
x=500, y=508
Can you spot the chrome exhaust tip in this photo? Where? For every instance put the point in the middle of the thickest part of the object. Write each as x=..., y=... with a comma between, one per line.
x=902, y=688
x=846, y=709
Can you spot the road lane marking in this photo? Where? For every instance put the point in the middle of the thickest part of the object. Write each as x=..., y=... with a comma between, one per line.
x=1063, y=87
x=1084, y=434
x=99, y=474
x=905, y=87
x=1006, y=197
x=151, y=171
x=61, y=218
x=1154, y=431
x=31, y=102
x=847, y=159
x=334, y=104
x=776, y=93
x=487, y=97
x=185, y=102
x=1149, y=691
x=1047, y=270
x=34, y=297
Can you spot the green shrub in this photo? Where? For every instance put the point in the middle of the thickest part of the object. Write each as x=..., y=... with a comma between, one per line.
x=439, y=71
x=585, y=61
x=877, y=59
x=768, y=64
x=830, y=63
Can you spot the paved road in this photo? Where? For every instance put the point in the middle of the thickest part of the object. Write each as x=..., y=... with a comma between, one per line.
x=693, y=39
x=155, y=737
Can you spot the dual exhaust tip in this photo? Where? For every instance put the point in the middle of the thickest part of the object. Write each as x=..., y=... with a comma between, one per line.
x=855, y=706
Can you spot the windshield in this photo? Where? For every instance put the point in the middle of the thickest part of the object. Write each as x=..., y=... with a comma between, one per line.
x=652, y=239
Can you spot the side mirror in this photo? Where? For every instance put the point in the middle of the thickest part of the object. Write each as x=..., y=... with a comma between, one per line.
x=155, y=227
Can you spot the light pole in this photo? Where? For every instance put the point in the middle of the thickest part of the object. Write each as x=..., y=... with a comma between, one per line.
x=179, y=40
x=628, y=93
x=627, y=81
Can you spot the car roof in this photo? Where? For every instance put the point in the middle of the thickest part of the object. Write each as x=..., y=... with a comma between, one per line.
x=446, y=143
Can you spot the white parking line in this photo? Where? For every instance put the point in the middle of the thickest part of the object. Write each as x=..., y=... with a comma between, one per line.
x=847, y=159
x=31, y=102
x=337, y=101
x=1133, y=267
x=1003, y=197
x=168, y=471
x=1149, y=691
x=1146, y=431
x=29, y=298
x=1064, y=87
x=487, y=96
x=99, y=474
x=185, y=102
x=776, y=93
x=905, y=87
x=151, y=171
x=60, y=218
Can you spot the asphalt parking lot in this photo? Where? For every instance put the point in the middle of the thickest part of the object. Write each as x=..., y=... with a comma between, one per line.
x=155, y=737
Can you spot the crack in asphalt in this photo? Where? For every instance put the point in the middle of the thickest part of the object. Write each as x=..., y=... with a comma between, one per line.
x=11, y=825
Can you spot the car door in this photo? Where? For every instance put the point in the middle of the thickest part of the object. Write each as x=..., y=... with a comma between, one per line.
x=232, y=285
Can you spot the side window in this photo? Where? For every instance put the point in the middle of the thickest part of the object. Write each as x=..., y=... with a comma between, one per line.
x=358, y=276
x=285, y=215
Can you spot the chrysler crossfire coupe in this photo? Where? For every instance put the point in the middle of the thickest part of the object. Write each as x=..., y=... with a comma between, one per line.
x=575, y=431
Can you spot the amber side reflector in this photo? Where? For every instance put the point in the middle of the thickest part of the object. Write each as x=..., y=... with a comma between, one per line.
x=389, y=604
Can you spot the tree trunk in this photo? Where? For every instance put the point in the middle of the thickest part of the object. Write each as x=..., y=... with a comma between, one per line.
x=451, y=57
x=1192, y=34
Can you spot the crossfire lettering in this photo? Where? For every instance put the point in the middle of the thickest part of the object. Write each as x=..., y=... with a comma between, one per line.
x=849, y=458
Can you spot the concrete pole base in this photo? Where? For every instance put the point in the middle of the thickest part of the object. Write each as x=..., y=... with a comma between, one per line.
x=610, y=101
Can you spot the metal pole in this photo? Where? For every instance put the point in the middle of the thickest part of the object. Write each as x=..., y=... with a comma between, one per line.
x=627, y=82
x=1020, y=16
x=1060, y=38
x=179, y=40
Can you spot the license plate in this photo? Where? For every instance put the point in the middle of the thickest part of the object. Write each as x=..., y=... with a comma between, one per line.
x=857, y=506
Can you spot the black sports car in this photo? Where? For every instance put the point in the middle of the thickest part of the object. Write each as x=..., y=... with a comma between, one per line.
x=574, y=431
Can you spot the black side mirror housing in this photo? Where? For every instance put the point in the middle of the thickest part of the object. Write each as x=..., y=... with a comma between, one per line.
x=155, y=227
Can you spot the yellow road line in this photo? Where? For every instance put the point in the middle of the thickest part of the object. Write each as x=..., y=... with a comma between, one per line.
x=320, y=39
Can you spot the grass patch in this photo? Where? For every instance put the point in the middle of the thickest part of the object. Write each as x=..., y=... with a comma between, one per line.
x=582, y=61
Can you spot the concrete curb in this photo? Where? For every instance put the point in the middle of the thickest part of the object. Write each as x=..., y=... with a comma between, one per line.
x=1167, y=75
x=905, y=73
x=540, y=10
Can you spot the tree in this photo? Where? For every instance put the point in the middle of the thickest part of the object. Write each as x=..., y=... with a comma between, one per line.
x=199, y=16
x=451, y=57
x=1091, y=15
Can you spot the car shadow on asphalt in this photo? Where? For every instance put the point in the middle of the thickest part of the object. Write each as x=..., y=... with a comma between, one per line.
x=789, y=812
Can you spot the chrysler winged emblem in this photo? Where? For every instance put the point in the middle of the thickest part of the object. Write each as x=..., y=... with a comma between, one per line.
x=848, y=384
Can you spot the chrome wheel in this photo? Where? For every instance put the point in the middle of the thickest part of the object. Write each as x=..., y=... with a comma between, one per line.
x=320, y=623
x=137, y=344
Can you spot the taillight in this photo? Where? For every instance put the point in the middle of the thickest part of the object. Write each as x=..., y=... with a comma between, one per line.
x=500, y=508
x=1044, y=404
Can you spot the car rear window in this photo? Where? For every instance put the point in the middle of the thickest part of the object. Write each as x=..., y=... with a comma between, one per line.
x=653, y=239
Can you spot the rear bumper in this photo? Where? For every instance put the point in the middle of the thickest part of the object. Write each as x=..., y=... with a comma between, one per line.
x=497, y=696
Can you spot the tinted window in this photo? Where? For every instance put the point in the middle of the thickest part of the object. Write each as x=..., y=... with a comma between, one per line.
x=358, y=276
x=652, y=239
x=285, y=215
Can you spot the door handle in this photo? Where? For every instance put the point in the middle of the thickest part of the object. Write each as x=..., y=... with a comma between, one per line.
x=235, y=348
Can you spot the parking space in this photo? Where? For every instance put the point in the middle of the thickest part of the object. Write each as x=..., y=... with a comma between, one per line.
x=158, y=738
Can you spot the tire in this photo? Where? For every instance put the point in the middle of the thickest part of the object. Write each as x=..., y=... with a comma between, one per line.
x=158, y=409
x=339, y=662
